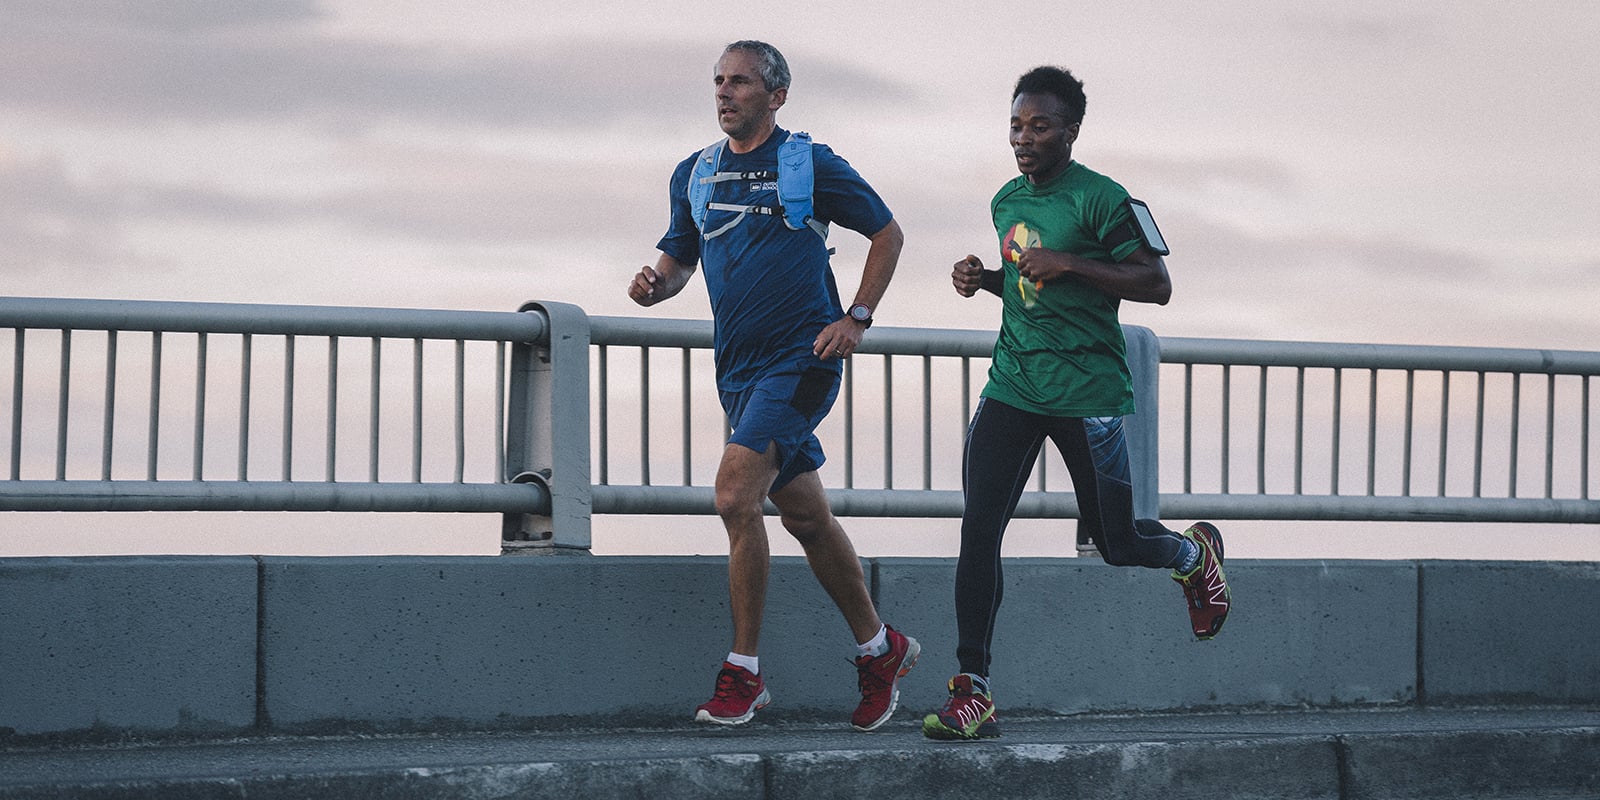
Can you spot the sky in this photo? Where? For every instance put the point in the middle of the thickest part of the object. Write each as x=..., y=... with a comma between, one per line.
x=1354, y=171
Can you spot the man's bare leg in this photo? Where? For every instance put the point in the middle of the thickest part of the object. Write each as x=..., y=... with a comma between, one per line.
x=743, y=479
x=880, y=663
x=808, y=517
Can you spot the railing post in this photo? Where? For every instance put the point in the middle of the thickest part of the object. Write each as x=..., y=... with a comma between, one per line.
x=547, y=433
x=1142, y=428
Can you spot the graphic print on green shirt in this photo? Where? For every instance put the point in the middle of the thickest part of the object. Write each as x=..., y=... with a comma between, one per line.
x=1016, y=240
x=1060, y=351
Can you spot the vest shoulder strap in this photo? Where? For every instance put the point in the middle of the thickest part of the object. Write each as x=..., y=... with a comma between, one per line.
x=796, y=178
x=700, y=181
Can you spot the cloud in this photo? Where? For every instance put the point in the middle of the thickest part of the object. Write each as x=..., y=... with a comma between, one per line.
x=47, y=219
x=1264, y=261
x=1325, y=286
x=456, y=196
x=1233, y=282
x=1396, y=26
x=178, y=16
x=1199, y=173
x=193, y=63
x=148, y=133
x=393, y=192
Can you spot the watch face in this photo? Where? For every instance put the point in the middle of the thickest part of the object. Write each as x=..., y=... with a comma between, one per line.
x=860, y=313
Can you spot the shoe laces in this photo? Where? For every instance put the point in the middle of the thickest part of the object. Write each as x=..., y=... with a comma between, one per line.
x=728, y=683
x=964, y=707
x=867, y=678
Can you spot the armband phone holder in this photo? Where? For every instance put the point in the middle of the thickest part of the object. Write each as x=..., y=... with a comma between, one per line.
x=1146, y=225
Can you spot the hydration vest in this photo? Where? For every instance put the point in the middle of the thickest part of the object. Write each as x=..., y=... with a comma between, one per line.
x=796, y=179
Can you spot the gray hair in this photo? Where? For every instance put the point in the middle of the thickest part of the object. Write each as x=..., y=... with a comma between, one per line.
x=769, y=62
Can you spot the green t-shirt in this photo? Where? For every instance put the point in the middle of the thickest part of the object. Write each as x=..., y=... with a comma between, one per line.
x=1060, y=350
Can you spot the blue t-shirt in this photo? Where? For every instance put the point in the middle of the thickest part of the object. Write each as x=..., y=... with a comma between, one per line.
x=771, y=288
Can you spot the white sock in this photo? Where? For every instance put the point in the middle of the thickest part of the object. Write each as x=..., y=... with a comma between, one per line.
x=751, y=663
x=877, y=645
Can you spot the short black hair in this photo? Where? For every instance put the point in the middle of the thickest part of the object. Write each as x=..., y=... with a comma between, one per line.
x=1056, y=81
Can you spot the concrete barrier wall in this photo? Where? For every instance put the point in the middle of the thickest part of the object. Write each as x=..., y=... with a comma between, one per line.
x=157, y=646
x=127, y=644
x=414, y=642
x=1510, y=632
x=1077, y=635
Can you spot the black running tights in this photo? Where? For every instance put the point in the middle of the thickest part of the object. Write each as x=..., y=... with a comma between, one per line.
x=1003, y=442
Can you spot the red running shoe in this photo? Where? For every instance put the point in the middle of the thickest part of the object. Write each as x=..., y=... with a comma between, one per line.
x=1205, y=587
x=879, y=679
x=968, y=714
x=738, y=697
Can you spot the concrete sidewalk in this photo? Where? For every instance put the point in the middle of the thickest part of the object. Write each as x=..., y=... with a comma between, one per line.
x=1339, y=755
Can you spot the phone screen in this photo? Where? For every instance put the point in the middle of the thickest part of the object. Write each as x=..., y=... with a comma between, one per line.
x=1147, y=227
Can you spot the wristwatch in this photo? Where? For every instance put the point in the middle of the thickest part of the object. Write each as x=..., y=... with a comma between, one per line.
x=861, y=313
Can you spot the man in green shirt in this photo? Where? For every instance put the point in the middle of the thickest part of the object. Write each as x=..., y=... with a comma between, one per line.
x=1070, y=253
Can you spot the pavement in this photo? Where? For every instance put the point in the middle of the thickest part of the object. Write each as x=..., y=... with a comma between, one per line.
x=1458, y=753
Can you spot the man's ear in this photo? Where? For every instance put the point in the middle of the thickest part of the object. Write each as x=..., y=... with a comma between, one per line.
x=1072, y=132
x=779, y=97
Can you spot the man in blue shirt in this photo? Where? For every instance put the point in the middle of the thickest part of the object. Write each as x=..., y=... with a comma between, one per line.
x=781, y=335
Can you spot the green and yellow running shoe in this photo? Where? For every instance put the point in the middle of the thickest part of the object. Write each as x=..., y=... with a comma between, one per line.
x=968, y=715
x=1205, y=588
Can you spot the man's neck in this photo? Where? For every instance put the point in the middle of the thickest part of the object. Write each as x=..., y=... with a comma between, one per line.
x=1037, y=181
x=756, y=139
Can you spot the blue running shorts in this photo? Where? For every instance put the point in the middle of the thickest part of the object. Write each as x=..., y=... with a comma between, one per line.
x=784, y=408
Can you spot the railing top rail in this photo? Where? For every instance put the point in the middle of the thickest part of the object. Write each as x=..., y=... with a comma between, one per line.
x=1238, y=352
x=189, y=317
x=646, y=331
x=639, y=332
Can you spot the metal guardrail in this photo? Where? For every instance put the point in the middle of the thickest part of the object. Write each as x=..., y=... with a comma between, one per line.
x=1423, y=450
x=309, y=345
x=1286, y=415
x=492, y=412
x=939, y=410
